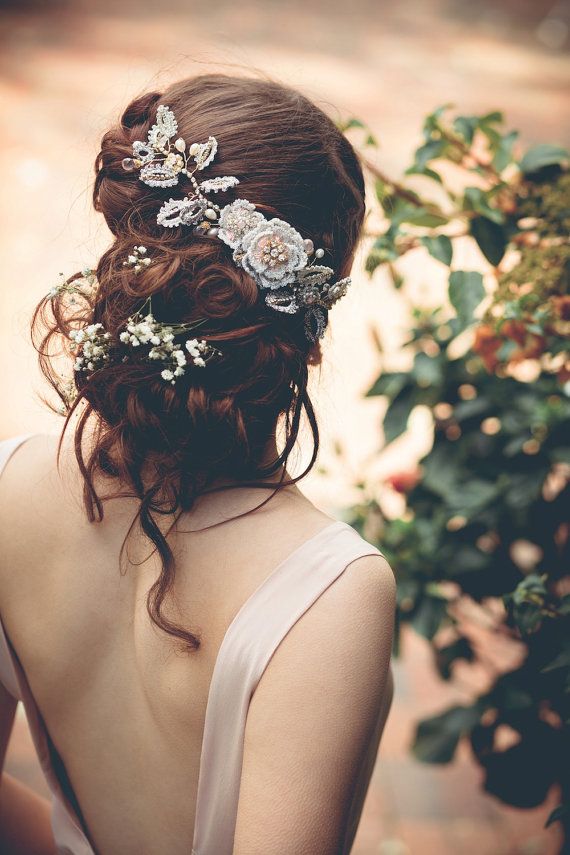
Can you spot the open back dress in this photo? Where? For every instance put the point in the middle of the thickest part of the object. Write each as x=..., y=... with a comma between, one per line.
x=248, y=644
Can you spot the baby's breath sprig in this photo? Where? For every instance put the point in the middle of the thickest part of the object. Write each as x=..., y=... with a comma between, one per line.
x=68, y=391
x=138, y=259
x=90, y=346
x=145, y=329
x=84, y=285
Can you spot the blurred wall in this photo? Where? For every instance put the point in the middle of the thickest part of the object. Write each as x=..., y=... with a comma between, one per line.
x=68, y=68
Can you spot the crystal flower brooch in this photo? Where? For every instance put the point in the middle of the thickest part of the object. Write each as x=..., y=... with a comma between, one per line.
x=271, y=251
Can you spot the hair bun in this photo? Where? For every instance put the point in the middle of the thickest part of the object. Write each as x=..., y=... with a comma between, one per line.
x=166, y=443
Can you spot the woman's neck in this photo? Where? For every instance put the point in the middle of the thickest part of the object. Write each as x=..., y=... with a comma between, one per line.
x=224, y=498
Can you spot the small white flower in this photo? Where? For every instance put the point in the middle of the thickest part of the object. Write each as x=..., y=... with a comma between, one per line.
x=199, y=362
x=167, y=374
x=192, y=347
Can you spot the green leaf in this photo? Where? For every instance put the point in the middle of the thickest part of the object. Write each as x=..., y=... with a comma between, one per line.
x=428, y=219
x=439, y=247
x=470, y=409
x=415, y=215
x=543, y=155
x=371, y=140
x=397, y=278
x=381, y=189
x=354, y=123
x=397, y=415
x=477, y=200
x=526, y=604
x=506, y=350
x=525, y=487
x=469, y=498
x=504, y=151
x=493, y=118
x=561, y=455
x=373, y=261
x=427, y=370
x=437, y=738
x=429, y=151
x=561, y=661
x=431, y=122
x=389, y=384
x=466, y=126
x=490, y=238
x=383, y=249
x=465, y=293
x=426, y=172
x=428, y=617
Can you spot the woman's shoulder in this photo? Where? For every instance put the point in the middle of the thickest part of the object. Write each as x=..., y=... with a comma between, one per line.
x=26, y=459
x=322, y=697
x=25, y=445
x=30, y=488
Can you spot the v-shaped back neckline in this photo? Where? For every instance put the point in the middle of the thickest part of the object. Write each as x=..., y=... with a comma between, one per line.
x=62, y=801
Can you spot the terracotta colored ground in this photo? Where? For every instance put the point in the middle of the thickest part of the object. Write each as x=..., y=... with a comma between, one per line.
x=66, y=74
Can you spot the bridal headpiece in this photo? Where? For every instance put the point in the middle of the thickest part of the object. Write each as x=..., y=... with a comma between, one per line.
x=271, y=251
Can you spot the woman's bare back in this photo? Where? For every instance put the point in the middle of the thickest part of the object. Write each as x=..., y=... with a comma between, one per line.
x=123, y=704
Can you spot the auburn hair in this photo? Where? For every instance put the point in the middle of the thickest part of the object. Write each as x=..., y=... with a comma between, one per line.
x=167, y=444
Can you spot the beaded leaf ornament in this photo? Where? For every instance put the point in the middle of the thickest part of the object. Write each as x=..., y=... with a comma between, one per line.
x=271, y=251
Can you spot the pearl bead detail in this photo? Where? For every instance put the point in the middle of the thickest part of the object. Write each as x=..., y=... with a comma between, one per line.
x=319, y=253
x=180, y=145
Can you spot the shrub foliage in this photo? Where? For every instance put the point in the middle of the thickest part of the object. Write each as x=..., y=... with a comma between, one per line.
x=487, y=518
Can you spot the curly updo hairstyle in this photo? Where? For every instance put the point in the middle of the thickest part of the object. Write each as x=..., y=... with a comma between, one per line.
x=167, y=444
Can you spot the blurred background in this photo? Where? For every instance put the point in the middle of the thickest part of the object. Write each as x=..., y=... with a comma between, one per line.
x=66, y=71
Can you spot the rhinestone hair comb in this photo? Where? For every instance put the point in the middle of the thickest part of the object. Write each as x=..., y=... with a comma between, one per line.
x=271, y=251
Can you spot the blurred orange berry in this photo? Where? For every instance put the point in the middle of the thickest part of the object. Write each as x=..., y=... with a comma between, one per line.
x=486, y=344
x=562, y=307
x=403, y=482
x=515, y=330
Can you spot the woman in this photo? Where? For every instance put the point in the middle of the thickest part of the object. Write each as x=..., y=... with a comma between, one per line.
x=202, y=653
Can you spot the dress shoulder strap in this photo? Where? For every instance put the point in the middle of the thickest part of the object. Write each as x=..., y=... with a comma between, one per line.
x=8, y=674
x=9, y=446
x=248, y=645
